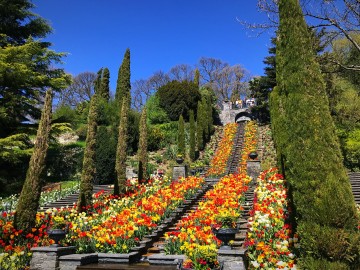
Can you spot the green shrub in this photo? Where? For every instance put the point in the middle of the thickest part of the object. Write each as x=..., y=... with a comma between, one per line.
x=105, y=155
x=156, y=138
x=178, y=98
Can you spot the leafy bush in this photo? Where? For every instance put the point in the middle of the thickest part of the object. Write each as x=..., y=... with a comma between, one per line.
x=178, y=98
x=156, y=114
x=105, y=155
x=63, y=162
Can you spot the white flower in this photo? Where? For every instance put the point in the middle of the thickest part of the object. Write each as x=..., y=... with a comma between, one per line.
x=255, y=264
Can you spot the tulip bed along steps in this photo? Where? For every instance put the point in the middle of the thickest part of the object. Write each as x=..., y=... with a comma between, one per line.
x=72, y=199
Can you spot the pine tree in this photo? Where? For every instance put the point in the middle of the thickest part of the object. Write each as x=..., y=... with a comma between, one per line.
x=28, y=203
x=105, y=88
x=121, y=151
x=192, y=136
x=142, y=150
x=89, y=167
x=309, y=150
x=200, y=127
x=123, y=85
x=181, y=136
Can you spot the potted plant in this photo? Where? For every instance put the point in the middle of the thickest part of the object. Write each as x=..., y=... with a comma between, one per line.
x=225, y=227
x=179, y=159
x=57, y=230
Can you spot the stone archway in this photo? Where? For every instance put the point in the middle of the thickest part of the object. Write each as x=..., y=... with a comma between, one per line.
x=243, y=116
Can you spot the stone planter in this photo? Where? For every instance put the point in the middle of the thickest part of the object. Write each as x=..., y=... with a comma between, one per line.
x=179, y=160
x=56, y=235
x=225, y=235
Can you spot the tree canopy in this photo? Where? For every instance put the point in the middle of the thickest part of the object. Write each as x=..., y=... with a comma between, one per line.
x=178, y=98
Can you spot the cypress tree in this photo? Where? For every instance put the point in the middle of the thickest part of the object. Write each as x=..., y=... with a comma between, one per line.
x=120, y=185
x=192, y=136
x=142, y=151
x=28, y=203
x=325, y=210
x=105, y=88
x=206, y=119
x=181, y=136
x=97, y=83
x=200, y=127
x=197, y=77
x=123, y=85
x=89, y=167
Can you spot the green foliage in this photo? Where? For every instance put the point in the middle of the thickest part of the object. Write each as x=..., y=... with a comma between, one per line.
x=14, y=148
x=352, y=150
x=308, y=148
x=200, y=127
x=105, y=155
x=123, y=85
x=26, y=70
x=105, y=88
x=120, y=162
x=156, y=114
x=181, y=137
x=133, y=131
x=65, y=114
x=142, y=150
x=178, y=98
x=89, y=168
x=197, y=77
x=156, y=138
x=18, y=22
x=25, y=216
x=192, y=136
x=68, y=157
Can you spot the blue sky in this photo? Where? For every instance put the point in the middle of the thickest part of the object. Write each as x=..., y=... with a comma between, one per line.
x=159, y=33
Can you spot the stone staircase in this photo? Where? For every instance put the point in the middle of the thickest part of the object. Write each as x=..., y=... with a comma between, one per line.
x=71, y=199
x=234, y=159
x=355, y=185
x=158, y=246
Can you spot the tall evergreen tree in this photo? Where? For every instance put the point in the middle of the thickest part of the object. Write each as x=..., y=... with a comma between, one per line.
x=97, y=83
x=205, y=117
x=28, y=203
x=89, y=167
x=305, y=135
x=192, y=136
x=123, y=85
x=105, y=88
x=197, y=77
x=121, y=151
x=142, y=150
x=200, y=127
x=181, y=136
x=262, y=86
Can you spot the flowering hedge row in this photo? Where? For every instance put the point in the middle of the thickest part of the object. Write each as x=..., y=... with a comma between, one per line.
x=269, y=239
x=223, y=152
x=195, y=237
x=250, y=144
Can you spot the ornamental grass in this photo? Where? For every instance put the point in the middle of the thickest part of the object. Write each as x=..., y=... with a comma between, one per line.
x=270, y=240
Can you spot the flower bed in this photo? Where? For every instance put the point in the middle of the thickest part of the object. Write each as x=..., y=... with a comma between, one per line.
x=109, y=220
x=269, y=239
x=250, y=144
x=195, y=237
x=121, y=226
x=223, y=152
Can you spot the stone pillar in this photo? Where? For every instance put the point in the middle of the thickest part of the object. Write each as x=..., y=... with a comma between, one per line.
x=253, y=168
x=232, y=259
x=179, y=171
x=47, y=258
